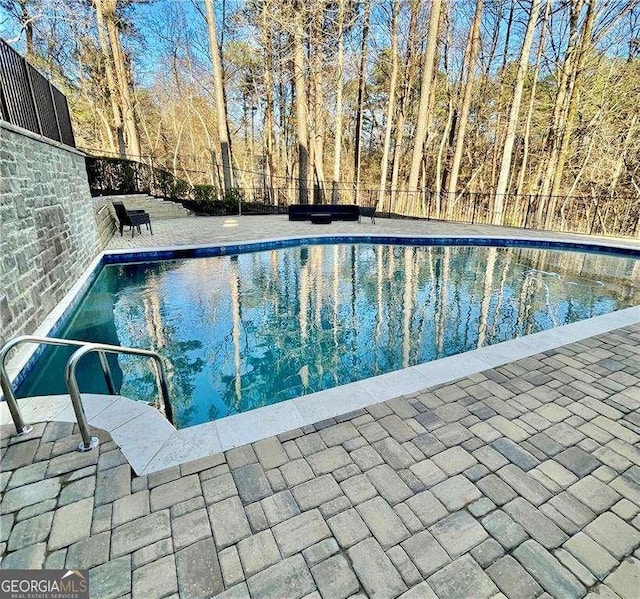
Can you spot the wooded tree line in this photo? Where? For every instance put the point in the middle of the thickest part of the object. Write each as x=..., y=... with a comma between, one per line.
x=406, y=101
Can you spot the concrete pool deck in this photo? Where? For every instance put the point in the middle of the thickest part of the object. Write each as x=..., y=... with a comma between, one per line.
x=522, y=480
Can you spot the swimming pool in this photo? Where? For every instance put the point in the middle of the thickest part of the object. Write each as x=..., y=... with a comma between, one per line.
x=256, y=328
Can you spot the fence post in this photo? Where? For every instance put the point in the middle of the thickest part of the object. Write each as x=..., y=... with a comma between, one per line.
x=153, y=175
x=593, y=220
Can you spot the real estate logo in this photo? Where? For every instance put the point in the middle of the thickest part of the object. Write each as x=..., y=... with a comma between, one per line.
x=44, y=584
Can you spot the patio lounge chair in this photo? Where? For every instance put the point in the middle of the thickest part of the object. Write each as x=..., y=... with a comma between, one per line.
x=131, y=218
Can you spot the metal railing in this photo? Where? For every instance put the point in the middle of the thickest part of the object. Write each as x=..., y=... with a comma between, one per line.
x=119, y=176
x=88, y=442
x=29, y=100
x=613, y=216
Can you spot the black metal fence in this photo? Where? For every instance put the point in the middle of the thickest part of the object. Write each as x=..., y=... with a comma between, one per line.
x=30, y=101
x=118, y=176
x=612, y=216
x=596, y=215
x=115, y=176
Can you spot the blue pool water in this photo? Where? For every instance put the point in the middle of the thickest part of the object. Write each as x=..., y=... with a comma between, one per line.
x=243, y=331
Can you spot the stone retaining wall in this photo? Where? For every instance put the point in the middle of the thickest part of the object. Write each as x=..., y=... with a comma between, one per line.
x=105, y=220
x=47, y=228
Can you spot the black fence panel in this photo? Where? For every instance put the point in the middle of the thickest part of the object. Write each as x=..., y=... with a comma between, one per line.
x=44, y=103
x=20, y=107
x=28, y=100
x=117, y=176
x=113, y=176
x=64, y=118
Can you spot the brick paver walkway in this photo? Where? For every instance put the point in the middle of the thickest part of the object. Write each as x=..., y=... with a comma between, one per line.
x=522, y=481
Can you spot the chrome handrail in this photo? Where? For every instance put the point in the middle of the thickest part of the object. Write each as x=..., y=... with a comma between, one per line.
x=21, y=427
x=85, y=347
x=74, y=391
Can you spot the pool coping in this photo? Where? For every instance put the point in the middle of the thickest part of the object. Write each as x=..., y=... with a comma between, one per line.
x=151, y=443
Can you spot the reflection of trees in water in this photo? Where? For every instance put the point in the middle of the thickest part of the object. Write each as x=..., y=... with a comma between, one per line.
x=143, y=319
x=349, y=312
x=248, y=330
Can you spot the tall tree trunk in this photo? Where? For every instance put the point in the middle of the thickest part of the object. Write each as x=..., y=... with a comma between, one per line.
x=337, y=147
x=497, y=145
x=362, y=78
x=26, y=22
x=301, y=105
x=318, y=107
x=553, y=137
x=407, y=84
x=391, y=105
x=532, y=101
x=106, y=130
x=422, y=124
x=514, y=114
x=444, y=138
x=447, y=139
x=123, y=80
x=267, y=44
x=474, y=45
x=572, y=109
x=223, y=125
x=107, y=61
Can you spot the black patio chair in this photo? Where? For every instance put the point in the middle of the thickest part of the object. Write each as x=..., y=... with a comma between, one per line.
x=132, y=218
x=367, y=212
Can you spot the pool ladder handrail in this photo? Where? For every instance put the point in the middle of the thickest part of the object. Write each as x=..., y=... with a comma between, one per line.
x=85, y=347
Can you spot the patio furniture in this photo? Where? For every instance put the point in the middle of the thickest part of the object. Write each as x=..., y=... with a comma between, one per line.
x=321, y=218
x=132, y=218
x=335, y=211
x=368, y=211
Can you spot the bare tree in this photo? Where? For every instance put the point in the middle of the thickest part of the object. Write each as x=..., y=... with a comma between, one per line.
x=267, y=74
x=405, y=100
x=318, y=102
x=218, y=84
x=300, y=87
x=362, y=76
x=532, y=101
x=471, y=55
x=514, y=114
x=122, y=78
x=422, y=123
x=574, y=91
x=391, y=104
x=337, y=147
x=24, y=12
x=107, y=63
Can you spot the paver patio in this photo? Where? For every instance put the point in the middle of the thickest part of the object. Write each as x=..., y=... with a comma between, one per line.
x=521, y=481
x=212, y=230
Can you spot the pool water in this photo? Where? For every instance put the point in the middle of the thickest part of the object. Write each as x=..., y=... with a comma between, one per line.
x=244, y=331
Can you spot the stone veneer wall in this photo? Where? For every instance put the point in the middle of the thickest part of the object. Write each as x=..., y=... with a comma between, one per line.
x=48, y=232
x=105, y=220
